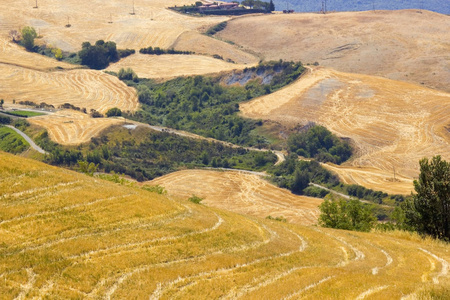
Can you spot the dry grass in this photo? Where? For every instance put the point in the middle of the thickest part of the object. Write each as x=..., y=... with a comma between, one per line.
x=170, y=66
x=68, y=127
x=392, y=124
x=241, y=193
x=378, y=43
x=66, y=235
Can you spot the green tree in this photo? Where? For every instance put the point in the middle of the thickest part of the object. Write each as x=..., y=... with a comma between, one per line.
x=114, y=112
x=28, y=36
x=87, y=168
x=301, y=181
x=429, y=210
x=343, y=214
x=271, y=6
x=1, y=103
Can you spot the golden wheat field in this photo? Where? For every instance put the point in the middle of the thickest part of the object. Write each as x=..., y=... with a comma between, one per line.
x=392, y=124
x=82, y=88
x=170, y=66
x=67, y=235
x=241, y=193
x=406, y=45
x=69, y=127
x=89, y=21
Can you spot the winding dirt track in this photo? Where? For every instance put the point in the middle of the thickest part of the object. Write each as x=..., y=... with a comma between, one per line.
x=392, y=124
x=72, y=236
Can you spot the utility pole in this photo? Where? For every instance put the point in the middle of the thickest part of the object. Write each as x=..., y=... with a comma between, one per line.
x=110, y=19
x=133, y=13
x=36, y=5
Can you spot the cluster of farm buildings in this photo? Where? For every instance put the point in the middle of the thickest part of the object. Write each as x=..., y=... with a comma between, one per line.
x=220, y=6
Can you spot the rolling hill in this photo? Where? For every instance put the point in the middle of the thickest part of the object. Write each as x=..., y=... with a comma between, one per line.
x=379, y=43
x=391, y=124
x=67, y=235
x=439, y=6
x=241, y=193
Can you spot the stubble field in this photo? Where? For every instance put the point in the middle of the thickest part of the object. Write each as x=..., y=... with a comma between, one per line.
x=392, y=124
x=73, y=236
x=406, y=45
x=241, y=193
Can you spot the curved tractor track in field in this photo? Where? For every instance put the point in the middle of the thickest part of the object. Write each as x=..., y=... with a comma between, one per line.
x=82, y=88
x=74, y=236
x=68, y=127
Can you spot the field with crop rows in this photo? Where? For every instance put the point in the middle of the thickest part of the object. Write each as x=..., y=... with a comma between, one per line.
x=241, y=193
x=380, y=43
x=392, y=124
x=63, y=234
x=68, y=127
x=170, y=66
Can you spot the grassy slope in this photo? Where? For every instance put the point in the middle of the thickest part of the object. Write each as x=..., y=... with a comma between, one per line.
x=66, y=235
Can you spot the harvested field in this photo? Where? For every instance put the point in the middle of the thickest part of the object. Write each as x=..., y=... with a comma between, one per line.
x=152, y=24
x=372, y=178
x=66, y=235
x=391, y=124
x=202, y=44
x=380, y=43
x=82, y=88
x=241, y=193
x=14, y=55
x=170, y=66
x=69, y=127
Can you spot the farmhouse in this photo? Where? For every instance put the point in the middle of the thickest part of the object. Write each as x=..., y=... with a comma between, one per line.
x=221, y=6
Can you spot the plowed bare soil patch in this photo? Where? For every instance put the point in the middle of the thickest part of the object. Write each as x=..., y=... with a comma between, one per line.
x=170, y=66
x=242, y=193
x=392, y=124
x=407, y=45
x=82, y=88
x=68, y=127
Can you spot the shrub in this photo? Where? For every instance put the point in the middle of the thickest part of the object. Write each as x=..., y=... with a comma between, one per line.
x=195, y=199
x=127, y=74
x=28, y=36
x=114, y=112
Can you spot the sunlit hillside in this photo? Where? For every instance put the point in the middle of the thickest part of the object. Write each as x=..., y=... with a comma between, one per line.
x=407, y=45
x=392, y=124
x=67, y=235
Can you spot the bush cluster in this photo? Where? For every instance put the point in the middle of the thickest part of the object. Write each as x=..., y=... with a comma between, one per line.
x=319, y=143
x=159, y=51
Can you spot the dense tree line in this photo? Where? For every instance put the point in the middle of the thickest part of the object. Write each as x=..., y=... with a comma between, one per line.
x=319, y=143
x=145, y=154
x=159, y=51
x=296, y=175
x=204, y=105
